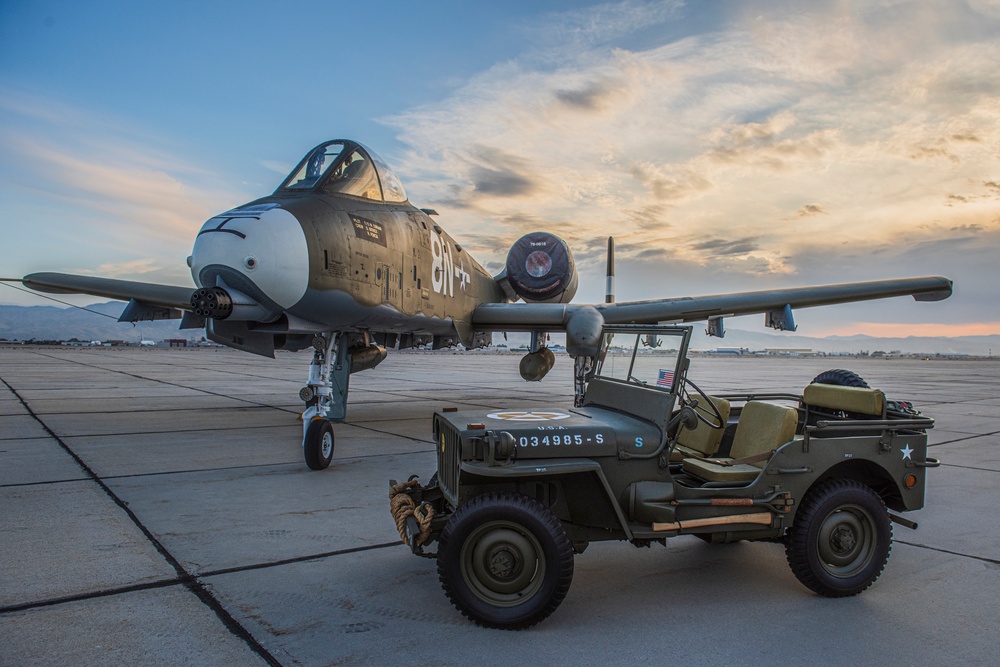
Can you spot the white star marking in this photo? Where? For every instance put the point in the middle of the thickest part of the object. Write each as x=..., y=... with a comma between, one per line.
x=463, y=276
x=533, y=416
x=906, y=452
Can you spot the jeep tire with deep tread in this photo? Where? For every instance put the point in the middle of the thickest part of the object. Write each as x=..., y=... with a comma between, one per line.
x=505, y=561
x=841, y=538
x=841, y=377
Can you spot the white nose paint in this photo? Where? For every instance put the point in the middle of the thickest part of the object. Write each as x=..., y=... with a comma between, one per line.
x=263, y=242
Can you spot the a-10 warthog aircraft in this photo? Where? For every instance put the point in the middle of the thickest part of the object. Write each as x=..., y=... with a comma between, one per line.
x=337, y=259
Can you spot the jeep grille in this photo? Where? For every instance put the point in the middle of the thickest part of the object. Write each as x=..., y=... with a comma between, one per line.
x=449, y=455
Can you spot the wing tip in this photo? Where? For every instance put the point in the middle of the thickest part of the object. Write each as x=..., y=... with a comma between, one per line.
x=944, y=290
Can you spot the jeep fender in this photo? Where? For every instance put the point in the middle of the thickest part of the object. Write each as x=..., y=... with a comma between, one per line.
x=523, y=470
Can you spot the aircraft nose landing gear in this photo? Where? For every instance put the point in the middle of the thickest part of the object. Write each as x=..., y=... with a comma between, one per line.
x=325, y=396
x=318, y=444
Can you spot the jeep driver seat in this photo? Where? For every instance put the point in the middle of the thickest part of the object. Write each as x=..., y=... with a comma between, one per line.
x=762, y=428
x=702, y=440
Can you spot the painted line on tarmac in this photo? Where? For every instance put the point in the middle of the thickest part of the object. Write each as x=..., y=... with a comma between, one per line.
x=186, y=578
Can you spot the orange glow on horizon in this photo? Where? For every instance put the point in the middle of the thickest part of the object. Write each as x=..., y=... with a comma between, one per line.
x=895, y=330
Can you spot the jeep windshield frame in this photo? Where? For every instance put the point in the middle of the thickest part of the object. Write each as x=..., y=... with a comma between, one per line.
x=641, y=355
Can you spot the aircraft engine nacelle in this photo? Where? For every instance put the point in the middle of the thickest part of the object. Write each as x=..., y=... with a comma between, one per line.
x=540, y=269
x=535, y=365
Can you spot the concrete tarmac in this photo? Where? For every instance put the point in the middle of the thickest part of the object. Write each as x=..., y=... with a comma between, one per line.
x=155, y=509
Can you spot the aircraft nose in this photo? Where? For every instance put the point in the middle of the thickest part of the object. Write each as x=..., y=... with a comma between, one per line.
x=259, y=250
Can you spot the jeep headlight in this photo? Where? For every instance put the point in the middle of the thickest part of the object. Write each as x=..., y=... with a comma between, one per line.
x=501, y=446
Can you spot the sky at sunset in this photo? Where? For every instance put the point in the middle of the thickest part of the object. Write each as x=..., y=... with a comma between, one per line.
x=727, y=146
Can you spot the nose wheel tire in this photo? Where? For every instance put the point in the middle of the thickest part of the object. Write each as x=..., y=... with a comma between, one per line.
x=841, y=538
x=318, y=444
x=505, y=561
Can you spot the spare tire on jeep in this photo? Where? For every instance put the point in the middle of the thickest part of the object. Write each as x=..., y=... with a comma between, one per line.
x=841, y=377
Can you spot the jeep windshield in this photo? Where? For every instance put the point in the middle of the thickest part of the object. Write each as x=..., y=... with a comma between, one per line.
x=639, y=356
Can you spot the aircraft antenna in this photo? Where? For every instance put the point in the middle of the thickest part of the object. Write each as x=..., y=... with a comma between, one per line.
x=609, y=293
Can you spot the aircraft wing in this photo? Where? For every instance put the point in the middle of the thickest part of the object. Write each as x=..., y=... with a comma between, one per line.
x=776, y=304
x=147, y=301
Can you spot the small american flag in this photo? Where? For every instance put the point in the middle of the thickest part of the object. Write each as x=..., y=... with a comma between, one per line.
x=665, y=379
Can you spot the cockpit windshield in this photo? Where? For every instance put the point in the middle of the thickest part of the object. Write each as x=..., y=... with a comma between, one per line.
x=310, y=169
x=354, y=174
x=342, y=167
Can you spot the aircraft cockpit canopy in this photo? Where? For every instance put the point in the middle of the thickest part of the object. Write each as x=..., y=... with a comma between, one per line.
x=345, y=168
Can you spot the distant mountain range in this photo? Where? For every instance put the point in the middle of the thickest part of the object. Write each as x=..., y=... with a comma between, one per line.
x=57, y=323
x=757, y=341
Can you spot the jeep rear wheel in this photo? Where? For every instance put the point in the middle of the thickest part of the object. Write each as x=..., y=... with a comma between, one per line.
x=505, y=561
x=841, y=538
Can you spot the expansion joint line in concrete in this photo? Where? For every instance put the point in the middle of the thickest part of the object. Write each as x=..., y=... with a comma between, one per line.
x=187, y=581
x=190, y=581
x=970, y=437
x=992, y=561
x=108, y=592
x=169, y=384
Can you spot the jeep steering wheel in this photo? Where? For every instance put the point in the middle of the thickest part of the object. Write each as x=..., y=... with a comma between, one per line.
x=713, y=409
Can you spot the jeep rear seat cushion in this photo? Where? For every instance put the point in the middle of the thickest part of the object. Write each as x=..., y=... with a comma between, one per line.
x=848, y=399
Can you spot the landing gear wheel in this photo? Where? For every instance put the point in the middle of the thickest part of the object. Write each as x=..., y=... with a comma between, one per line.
x=703, y=413
x=318, y=445
x=841, y=377
x=841, y=539
x=505, y=561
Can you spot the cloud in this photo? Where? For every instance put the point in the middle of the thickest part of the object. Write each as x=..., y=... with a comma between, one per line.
x=894, y=330
x=277, y=167
x=726, y=132
x=809, y=210
x=494, y=173
x=728, y=246
x=700, y=148
x=136, y=267
x=104, y=182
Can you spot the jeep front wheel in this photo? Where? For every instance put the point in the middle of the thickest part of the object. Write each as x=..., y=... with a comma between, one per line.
x=505, y=561
x=841, y=538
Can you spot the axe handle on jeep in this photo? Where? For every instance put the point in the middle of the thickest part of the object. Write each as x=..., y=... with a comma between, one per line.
x=762, y=518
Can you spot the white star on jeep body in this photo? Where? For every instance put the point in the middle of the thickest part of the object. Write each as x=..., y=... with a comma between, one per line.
x=906, y=452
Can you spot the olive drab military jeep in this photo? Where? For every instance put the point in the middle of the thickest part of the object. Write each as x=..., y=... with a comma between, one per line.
x=650, y=456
